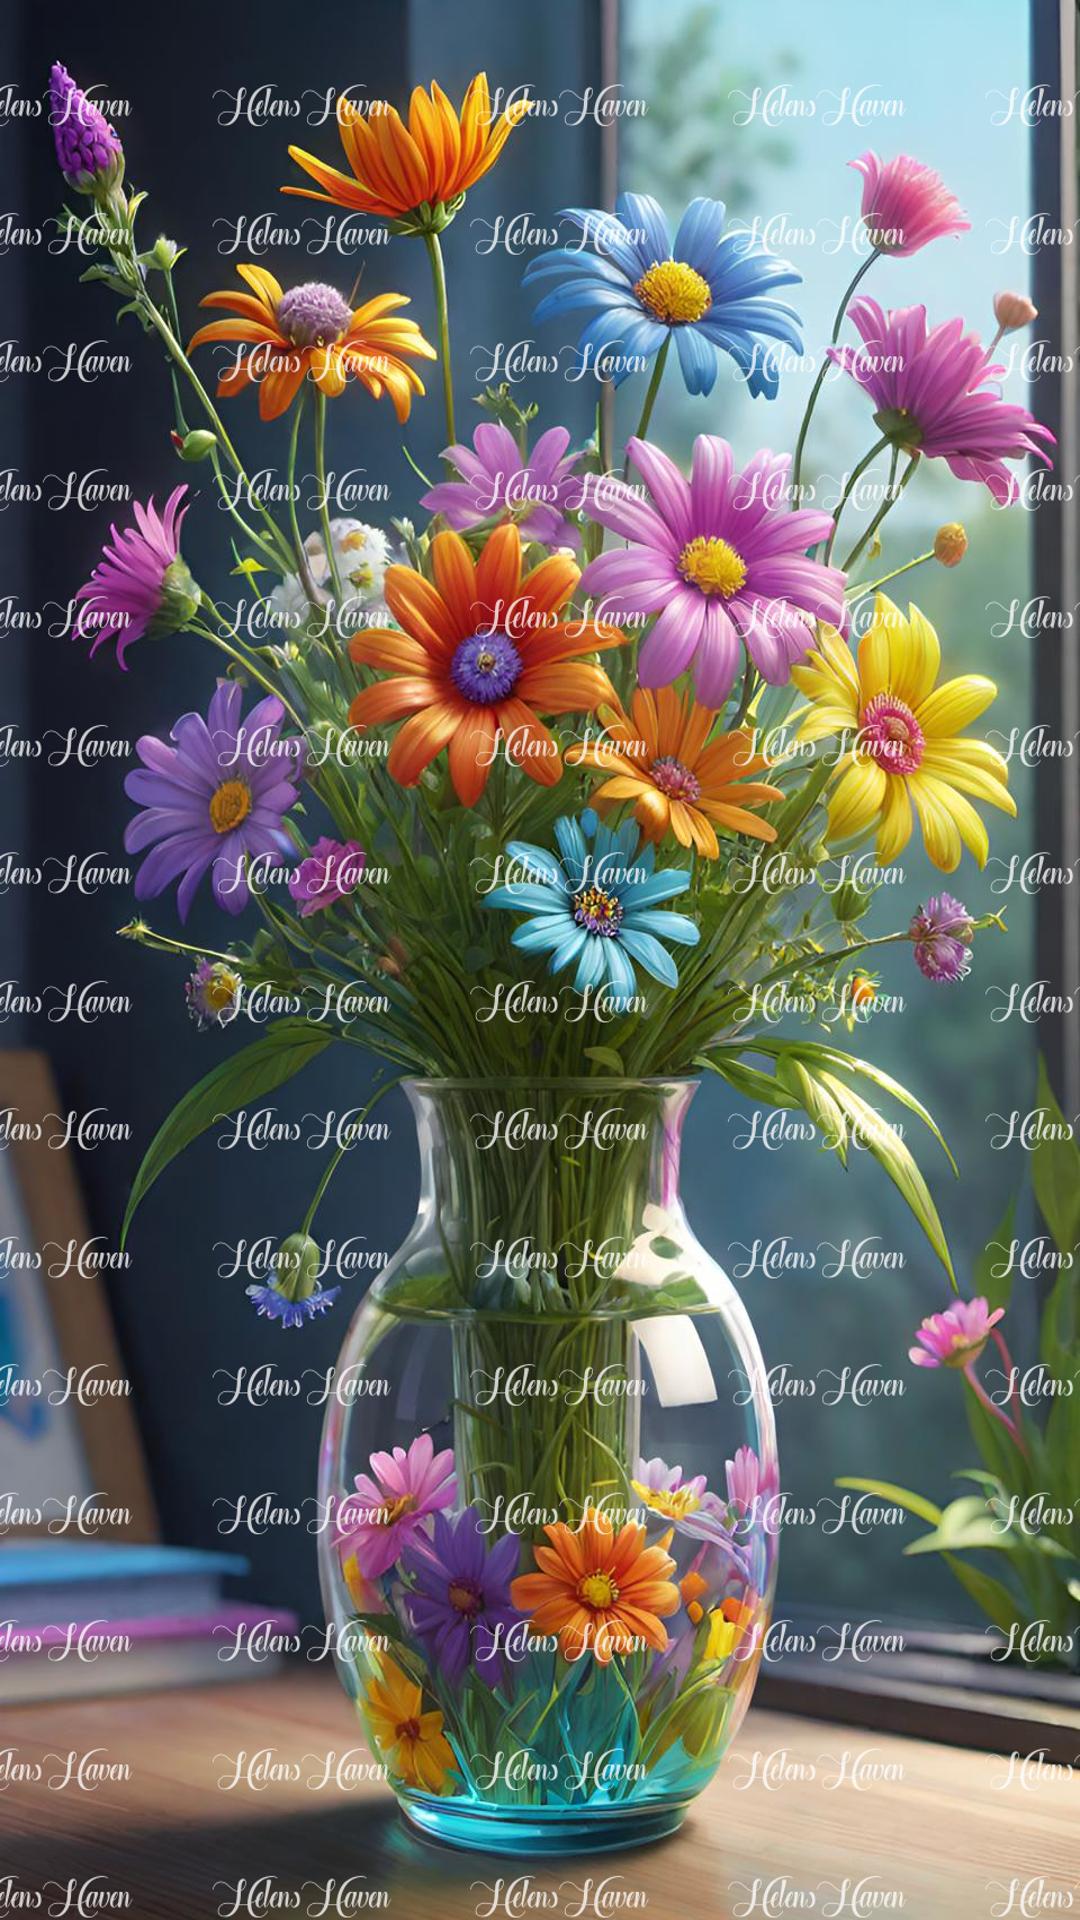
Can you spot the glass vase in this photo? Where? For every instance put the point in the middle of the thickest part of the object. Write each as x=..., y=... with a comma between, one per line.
x=550, y=1465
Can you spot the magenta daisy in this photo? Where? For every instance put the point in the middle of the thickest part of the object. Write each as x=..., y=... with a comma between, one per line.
x=213, y=800
x=386, y=1512
x=722, y=559
x=140, y=585
x=956, y=1337
x=497, y=483
x=905, y=204
x=931, y=395
x=331, y=872
x=942, y=934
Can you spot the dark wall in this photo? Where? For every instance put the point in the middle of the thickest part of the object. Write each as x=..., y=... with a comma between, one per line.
x=178, y=1321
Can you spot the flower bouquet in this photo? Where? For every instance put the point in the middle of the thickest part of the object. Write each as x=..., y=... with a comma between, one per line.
x=528, y=798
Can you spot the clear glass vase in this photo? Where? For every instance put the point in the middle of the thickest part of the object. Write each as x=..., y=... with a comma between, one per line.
x=551, y=1466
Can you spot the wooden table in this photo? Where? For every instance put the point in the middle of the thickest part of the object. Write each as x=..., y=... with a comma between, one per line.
x=926, y=1830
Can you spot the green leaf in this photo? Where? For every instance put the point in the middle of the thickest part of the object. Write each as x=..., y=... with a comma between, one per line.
x=842, y=1062
x=991, y=1595
x=747, y=1080
x=1055, y=1172
x=890, y=1152
x=607, y=1057
x=900, y=1497
x=280, y=1053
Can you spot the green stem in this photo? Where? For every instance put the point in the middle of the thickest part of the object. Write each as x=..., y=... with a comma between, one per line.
x=796, y=470
x=873, y=585
x=324, y=505
x=438, y=275
x=303, y=566
x=849, y=487
x=886, y=506
x=650, y=396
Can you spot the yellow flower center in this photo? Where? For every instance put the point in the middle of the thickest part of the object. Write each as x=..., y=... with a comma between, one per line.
x=674, y=1503
x=713, y=566
x=394, y=1509
x=674, y=292
x=229, y=805
x=221, y=988
x=598, y=1590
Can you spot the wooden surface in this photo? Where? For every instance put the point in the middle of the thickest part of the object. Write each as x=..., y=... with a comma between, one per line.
x=932, y=1831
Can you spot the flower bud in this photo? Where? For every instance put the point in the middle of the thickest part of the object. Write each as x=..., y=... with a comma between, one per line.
x=1013, y=310
x=179, y=599
x=950, y=544
x=296, y=1266
x=195, y=445
x=850, y=902
x=165, y=253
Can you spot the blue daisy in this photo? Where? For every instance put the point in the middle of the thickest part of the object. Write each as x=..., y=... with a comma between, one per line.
x=709, y=289
x=595, y=907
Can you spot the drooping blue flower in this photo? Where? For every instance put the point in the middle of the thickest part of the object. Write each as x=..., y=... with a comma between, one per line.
x=711, y=289
x=276, y=1305
x=596, y=907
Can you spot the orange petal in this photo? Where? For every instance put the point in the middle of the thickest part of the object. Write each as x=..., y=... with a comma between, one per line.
x=420, y=739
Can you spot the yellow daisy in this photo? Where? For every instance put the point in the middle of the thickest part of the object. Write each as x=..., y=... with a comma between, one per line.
x=904, y=747
x=412, y=1742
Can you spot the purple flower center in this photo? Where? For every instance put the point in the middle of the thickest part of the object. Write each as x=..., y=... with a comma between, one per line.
x=890, y=734
x=485, y=668
x=465, y=1598
x=674, y=779
x=313, y=315
x=598, y=912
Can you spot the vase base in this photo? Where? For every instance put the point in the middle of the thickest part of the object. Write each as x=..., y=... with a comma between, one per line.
x=543, y=1832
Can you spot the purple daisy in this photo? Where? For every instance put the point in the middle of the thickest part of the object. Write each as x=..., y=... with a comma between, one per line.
x=930, y=394
x=331, y=872
x=498, y=483
x=722, y=559
x=461, y=1595
x=942, y=934
x=140, y=585
x=750, y=1481
x=88, y=151
x=215, y=799
x=690, y=1508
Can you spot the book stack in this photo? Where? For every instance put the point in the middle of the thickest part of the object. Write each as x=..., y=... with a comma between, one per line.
x=78, y=1619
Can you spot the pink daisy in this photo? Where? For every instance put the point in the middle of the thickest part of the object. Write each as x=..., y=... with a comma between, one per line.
x=956, y=1337
x=930, y=395
x=722, y=559
x=386, y=1512
x=140, y=585
x=905, y=204
x=750, y=1479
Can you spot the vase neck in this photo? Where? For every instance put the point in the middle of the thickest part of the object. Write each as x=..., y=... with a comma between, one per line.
x=540, y=1172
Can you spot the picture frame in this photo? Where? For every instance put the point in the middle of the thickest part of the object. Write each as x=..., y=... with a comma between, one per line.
x=59, y=1458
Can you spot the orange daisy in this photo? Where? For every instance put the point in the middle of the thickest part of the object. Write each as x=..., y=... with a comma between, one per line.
x=598, y=1589
x=412, y=1742
x=419, y=169
x=313, y=330
x=483, y=654
x=680, y=781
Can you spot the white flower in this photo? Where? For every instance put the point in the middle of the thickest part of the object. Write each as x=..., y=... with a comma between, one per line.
x=362, y=554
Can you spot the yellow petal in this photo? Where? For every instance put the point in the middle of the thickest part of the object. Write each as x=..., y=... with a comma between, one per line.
x=856, y=800
x=938, y=824
x=895, y=829
x=968, y=778
x=954, y=705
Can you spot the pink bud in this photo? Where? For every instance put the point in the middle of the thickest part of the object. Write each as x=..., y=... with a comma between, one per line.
x=1013, y=310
